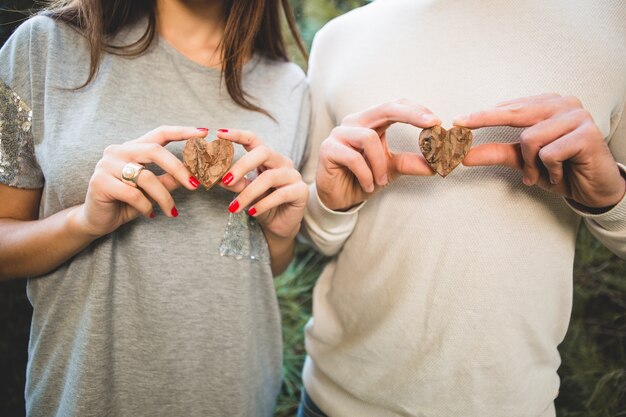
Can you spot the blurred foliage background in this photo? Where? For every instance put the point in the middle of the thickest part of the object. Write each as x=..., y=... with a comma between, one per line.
x=593, y=371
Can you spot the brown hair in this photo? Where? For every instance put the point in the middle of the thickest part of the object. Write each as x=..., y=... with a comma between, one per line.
x=251, y=26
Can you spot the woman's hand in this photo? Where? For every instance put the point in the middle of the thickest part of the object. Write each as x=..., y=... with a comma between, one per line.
x=110, y=202
x=276, y=197
x=561, y=150
x=355, y=160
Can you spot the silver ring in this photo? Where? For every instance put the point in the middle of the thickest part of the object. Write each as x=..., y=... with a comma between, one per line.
x=130, y=173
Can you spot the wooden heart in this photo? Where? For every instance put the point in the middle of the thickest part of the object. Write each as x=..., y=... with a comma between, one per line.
x=208, y=161
x=445, y=149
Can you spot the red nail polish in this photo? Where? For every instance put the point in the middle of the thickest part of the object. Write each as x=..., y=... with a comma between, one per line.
x=174, y=212
x=233, y=206
x=228, y=178
x=202, y=129
x=194, y=182
x=223, y=130
x=152, y=215
x=252, y=211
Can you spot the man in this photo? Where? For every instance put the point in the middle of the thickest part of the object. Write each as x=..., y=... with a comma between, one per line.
x=449, y=296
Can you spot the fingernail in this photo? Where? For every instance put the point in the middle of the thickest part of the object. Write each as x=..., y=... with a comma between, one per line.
x=174, y=212
x=428, y=118
x=223, y=130
x=371, y=188
x=228, y=178
x=526, y=181
x=152, y=215
x=202, y=129
x=553, y=181
x=233, y=206
x=252, y=211
x=383, y=180
x=194, y=182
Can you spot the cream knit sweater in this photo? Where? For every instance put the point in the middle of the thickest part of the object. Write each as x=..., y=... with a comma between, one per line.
x=449, y=297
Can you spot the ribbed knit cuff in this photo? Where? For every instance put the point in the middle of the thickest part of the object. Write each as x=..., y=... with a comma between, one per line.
x=325, y=228
x=331, y=221
x=613, y=220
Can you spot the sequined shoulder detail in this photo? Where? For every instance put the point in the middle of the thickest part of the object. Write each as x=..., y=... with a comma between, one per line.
x=18, y=166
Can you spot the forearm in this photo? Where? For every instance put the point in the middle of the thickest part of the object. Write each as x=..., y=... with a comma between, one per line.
x=33, y=248
x=281, y=252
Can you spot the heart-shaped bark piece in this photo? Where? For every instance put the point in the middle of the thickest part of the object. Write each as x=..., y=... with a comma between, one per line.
x=208, y=161
x=445, y=149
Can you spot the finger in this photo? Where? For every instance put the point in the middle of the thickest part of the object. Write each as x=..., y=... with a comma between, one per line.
x=517, y=115
x=488, y=154
x=567, y=147
x=117, y=190
x=169, y=182
x=272, y=178
x=341, y=155
x=410, y=164
x=527, y=99
x=257, y=157
x=293, y=194
x=236, y=187
x=543, y=133
x=522, y=113
x=163, y=135
x=380, y=117
x=154, y=188
x=368, y=142
x=144, y=153
x=243, y=137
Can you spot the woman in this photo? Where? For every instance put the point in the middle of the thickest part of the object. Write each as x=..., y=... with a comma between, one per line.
x=136, y=312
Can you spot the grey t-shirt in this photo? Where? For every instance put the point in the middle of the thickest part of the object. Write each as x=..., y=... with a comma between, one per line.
x=149, y=320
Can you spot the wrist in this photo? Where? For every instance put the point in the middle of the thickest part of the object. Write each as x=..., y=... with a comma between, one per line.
x=607, y=203
x=77, y=225
x=282, y=240
x=330, y=203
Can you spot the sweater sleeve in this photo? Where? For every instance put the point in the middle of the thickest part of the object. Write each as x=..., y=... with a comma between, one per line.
x=326, y=229
x=18, y=164
x=610, y=227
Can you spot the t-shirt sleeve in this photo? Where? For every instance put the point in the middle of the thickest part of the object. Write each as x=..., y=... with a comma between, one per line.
x=18, y=164
x=610, y=227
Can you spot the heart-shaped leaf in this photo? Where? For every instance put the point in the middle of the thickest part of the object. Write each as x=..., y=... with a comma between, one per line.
x=445, y=149
x=208, y=161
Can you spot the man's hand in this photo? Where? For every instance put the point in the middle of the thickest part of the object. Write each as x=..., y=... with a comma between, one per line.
x=355, y=160
x=561, y=150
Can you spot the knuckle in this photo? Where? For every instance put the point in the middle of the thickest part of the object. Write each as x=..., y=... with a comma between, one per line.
x=349, y=120
x=526, y=136
x=289, y=163
x=153, y=148
x=372, y=136
x=389, y=108
x=590, y=130
x=572, y=101
x=580, y=114
x=302, y=188
x=271, y=175
x=96, y=180
x=111, y=149
x=133, y=195
x=546, y=155
x=264, y=151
